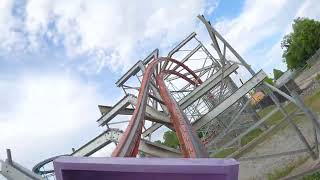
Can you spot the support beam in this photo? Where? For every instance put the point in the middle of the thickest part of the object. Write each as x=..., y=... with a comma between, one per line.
x=158, y=150
x=123, y=103
x=105, y=109
x=151, y=113
x=15, y=171
x=153, y=54
x=105, y=138
x=244, y=89
x=126, y=111
x=257, y=124
x=211, y=30
x=197, y=93
x=151, y=129
x=181, y=44
x=113, y=135
x=191, y=53
x=206, y=86
x=131, y=72
x=230, y=125
x=137, y=67
x=280, y=92
x=102, y=140
x=177, y=48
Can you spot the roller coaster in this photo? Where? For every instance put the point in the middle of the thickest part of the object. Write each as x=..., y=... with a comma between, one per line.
x=201, y=92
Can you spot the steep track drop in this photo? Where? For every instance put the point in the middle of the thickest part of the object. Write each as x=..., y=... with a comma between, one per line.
x=190, y=144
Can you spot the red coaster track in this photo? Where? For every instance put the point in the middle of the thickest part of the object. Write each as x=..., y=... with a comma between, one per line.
x=190, y=144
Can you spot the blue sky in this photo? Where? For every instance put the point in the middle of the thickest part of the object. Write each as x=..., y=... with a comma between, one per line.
x=60, y=59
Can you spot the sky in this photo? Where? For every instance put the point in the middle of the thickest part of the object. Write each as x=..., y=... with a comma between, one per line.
x=60, y=59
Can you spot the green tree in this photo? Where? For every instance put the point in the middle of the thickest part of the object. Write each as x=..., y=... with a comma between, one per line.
x=277, y=74
x=302, y=43
x=268, y=80
x=170, y=139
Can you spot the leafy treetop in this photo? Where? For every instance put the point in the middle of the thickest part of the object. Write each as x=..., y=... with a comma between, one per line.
x=302, y=43
x=277, y=74
x=170, y=139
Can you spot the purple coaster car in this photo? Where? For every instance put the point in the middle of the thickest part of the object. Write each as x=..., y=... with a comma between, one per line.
x=93, y=168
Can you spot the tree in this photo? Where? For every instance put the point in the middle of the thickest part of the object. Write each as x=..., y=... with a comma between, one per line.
x=170, y=139
x=277, y=74
x=302, y=43
x=268, y=80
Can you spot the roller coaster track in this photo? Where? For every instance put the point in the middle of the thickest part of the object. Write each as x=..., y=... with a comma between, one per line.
x=189, y=142
x=102, y=140
x=128, y=145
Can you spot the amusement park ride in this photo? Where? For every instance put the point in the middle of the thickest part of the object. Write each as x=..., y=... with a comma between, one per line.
x=202, y=93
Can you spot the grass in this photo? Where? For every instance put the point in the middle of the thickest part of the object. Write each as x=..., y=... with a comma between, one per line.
x=314, y=176
x=276, y=117
x=245, y=140
x=224, y=153
x=250, y=136
x=312, y=102
x=263, y=112
x=284, y=171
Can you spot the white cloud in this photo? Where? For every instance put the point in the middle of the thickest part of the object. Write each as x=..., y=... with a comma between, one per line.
x=254, y=24
x=46, y=114
x=119, y=31
x=9, y=36
x=310, y=9
x=261, y=21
